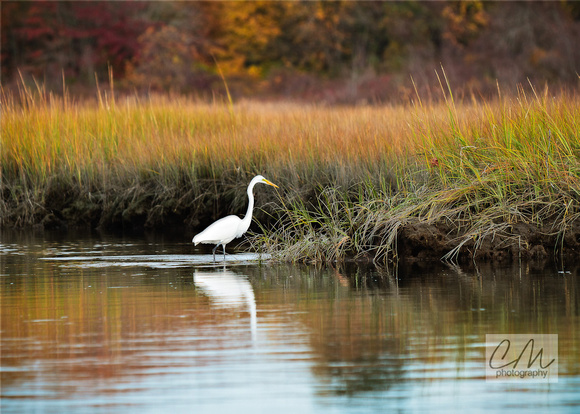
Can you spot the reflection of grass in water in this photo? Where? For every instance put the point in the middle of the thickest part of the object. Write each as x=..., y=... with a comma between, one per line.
x=352, y=177
x=356, y=323
x=371, y=331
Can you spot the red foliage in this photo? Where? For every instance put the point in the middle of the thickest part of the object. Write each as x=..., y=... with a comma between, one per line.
x=81, y=38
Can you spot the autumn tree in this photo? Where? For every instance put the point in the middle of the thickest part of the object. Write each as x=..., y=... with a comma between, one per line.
x=184, y=45
x=81, y=39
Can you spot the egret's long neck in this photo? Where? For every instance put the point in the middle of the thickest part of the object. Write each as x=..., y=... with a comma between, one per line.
x=247, y=220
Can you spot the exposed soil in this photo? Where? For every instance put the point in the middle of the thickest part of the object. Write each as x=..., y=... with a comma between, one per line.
x=422, y=241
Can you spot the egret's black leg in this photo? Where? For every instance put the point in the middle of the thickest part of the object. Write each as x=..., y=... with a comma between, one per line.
x=214, y=249
x=224, y=246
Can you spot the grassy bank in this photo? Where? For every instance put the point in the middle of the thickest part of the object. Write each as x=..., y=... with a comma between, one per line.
x=447, y=179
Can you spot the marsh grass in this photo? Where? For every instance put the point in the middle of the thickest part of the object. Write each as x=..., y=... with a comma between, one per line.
x=352, y=179
x=499, y=176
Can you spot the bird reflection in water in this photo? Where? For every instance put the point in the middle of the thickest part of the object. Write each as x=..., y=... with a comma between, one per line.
x=227, y=289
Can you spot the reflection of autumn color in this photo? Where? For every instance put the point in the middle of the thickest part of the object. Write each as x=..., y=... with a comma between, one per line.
x=364, y=331
x=369, y=340
x=89, y=327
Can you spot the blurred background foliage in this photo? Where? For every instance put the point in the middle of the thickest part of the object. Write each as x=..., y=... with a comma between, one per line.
x=324, y=51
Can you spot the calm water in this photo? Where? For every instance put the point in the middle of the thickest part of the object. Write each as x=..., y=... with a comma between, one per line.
x=101, y=324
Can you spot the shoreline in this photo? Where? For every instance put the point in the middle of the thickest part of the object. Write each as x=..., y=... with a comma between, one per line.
x=416, y=241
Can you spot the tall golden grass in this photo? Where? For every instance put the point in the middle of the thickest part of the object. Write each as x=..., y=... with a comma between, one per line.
x=47, y=136
x=514, y=159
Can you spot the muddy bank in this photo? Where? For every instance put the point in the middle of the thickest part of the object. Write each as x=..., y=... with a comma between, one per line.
x=420, y=241
x=146, y=205
x=189, y=212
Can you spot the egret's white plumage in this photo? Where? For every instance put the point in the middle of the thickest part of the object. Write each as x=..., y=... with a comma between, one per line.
x=228, y=228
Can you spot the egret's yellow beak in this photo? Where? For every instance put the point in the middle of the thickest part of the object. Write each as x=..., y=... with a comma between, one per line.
x=270, y=183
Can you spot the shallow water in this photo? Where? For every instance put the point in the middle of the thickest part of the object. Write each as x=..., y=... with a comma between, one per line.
x=102, y=324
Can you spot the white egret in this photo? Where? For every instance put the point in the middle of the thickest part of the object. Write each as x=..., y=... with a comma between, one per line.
x=228, y=228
